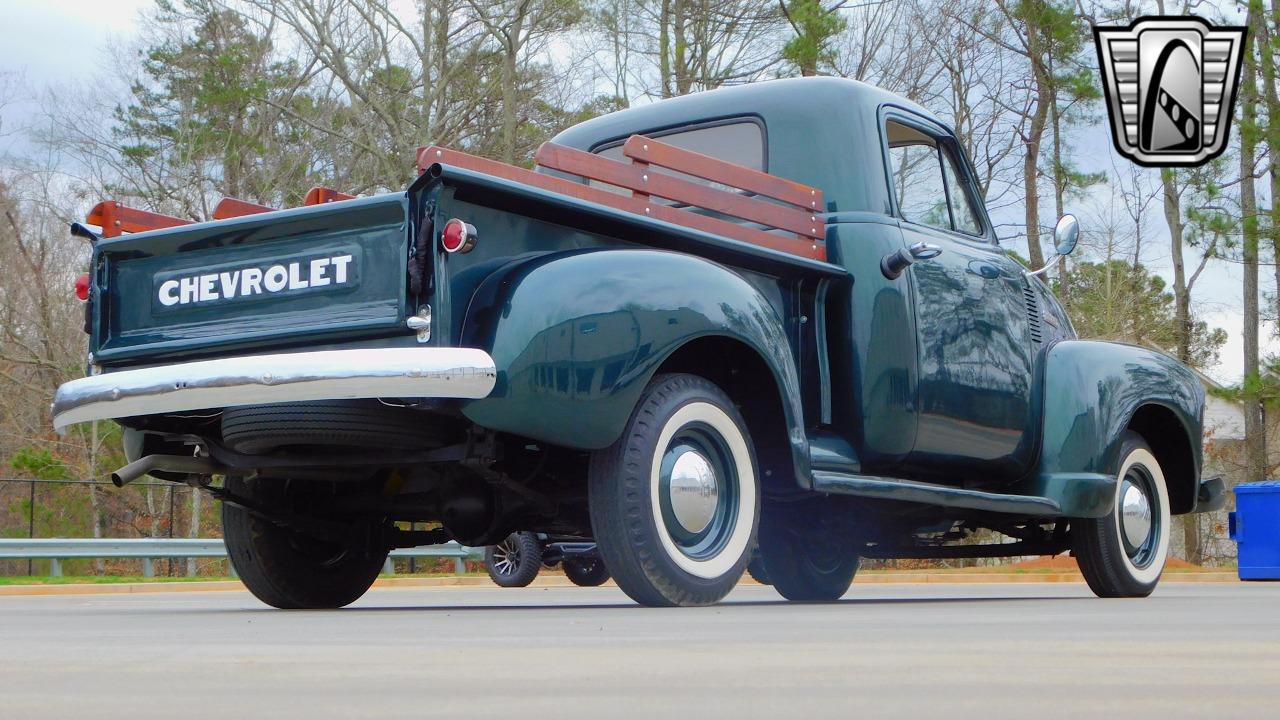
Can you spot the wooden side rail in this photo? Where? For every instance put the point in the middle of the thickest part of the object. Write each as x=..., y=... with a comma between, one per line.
x=640, y=205
x=229, y=207
x=121, y=218
x=115, y=218
x=647, y=150
x=639, y=178
x=320, y=195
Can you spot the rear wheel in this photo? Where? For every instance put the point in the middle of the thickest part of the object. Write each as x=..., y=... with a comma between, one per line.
x=807, y=570
x=674, y=502
x=586, y=571
x=1123, y=553
x=515, y=561
x=288, y=569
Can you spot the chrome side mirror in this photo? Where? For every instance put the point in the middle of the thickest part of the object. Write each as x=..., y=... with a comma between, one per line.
x=1065, y=236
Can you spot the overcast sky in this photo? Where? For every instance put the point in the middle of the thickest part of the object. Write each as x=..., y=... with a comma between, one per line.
x=65, y=41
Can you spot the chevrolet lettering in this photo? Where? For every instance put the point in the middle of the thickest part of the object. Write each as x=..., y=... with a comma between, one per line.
x=768, y=324
x=250, y=281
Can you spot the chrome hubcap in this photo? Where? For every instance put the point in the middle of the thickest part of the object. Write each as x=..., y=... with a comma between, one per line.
x=697, y=491
x=694, y=494
x=1135, y=514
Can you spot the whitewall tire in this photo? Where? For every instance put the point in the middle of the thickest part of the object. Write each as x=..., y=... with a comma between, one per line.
x=1123, y=554
x=675, y=501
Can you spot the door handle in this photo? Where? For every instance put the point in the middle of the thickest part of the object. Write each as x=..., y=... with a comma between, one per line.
x=924, y=251
x=896, y=262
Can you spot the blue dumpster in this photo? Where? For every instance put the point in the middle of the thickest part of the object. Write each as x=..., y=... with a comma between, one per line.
x=1255, y=526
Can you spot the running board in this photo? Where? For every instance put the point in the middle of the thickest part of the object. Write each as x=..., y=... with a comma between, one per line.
x=883, y=488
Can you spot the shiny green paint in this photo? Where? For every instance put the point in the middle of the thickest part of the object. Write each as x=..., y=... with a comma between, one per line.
x=1090, y=393
x=872, y=340
x=130, y=324
x=974, y=345
x=819, y=131
x=930, y=376
x=900, y=490
x=577, y=335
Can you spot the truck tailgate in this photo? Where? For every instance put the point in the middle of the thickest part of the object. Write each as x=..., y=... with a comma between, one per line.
x=334, y=270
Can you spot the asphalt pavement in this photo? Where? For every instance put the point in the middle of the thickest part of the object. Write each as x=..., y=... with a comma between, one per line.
x=918, y=651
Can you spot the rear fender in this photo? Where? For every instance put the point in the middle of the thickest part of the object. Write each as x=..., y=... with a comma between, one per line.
x=576, y=336
x=1090, y=394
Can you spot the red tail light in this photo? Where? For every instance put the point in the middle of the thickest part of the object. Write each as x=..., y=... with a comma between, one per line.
x=458, y=236
x=82, y=286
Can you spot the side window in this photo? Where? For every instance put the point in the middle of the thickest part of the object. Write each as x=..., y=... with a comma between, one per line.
x=962, y=213
x=741, y=143
x=917, y=177
x=926, y=182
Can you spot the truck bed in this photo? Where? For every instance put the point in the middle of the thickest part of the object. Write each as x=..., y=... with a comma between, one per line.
x=173, y=287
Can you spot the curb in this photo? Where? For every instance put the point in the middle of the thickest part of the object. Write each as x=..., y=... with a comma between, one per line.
x=958, y=578
x=227, y=585
x=559, y=581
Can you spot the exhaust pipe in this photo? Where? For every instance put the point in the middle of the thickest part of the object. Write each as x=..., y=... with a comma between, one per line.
x=172, y=463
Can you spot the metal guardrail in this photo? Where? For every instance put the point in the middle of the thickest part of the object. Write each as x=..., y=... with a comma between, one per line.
x=150, y=549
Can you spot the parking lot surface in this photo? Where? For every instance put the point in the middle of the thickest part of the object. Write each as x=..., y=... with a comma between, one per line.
x=961, y=651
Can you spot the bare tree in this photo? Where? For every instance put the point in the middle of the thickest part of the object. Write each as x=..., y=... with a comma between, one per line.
x=517, y=25
x=1255, y=436
x=698, y=45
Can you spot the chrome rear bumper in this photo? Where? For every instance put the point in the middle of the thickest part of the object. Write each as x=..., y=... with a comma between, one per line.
x=287, y=377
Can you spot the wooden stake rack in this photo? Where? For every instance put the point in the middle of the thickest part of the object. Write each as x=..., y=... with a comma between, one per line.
x=743, y=204
x=753, y=197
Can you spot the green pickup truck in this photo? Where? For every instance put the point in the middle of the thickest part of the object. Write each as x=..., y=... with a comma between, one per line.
x=765, y=321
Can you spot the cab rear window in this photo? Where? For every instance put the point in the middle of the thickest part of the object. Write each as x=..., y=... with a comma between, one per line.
x=741, y=143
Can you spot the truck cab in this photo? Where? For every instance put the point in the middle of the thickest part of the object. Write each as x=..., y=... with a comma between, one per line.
x=772, y=320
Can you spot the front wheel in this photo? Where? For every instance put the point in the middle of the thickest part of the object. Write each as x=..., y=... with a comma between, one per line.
x=1123, y=553
x=287, y=569
x=674, y=502
x=586, y=571
x=515, y=561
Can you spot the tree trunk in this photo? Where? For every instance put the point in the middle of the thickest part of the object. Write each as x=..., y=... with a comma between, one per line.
x=1035, y=134
x=95, y=511
x=1264, y=37
x=509, y=71
x=1181, y=294
x=683, y=81
x=664, y=47
x=441, y=89
x=1254, y=431
x=426, y=63
x=197, y=498
x=1059, y=189
x=153, y=515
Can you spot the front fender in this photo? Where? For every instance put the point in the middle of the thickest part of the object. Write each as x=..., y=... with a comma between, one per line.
x=576, y=336
x=1089, y=394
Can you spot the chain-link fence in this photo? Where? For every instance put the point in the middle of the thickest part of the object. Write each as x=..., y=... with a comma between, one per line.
x=40, y=508
x=86, y=508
